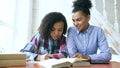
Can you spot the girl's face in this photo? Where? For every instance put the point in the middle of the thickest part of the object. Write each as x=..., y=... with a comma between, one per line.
x=57, y=30
x=80, y=20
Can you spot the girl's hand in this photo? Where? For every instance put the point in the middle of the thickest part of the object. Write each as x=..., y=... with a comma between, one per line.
x=44, y=57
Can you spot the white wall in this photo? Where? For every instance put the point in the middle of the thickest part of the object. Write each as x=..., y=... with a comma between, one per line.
x=42, y=7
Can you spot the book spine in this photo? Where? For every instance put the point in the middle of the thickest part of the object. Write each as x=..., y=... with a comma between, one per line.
x=12, y=56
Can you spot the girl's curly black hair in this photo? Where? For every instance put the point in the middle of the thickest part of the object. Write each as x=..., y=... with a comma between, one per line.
x=48, y=21
x=82, y=5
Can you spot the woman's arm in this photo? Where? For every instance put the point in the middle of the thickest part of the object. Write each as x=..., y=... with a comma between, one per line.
x=104, y=56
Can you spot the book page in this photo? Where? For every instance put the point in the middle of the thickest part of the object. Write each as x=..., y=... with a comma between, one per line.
x=72, y=60
x=48, y=63
x=54, y=63
x=79, y=59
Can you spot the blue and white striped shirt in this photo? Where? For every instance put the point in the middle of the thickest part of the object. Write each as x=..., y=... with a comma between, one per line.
x=87, y=43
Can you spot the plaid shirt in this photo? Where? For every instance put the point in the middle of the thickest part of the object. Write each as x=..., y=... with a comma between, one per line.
x=42, y=46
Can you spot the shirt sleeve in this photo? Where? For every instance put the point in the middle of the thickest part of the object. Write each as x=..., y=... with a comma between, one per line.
x=71, y=48
x=104, y=56
x=31, y=48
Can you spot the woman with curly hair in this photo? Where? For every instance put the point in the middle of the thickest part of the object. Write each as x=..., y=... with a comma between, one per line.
x=83, y=39
x=49, y=42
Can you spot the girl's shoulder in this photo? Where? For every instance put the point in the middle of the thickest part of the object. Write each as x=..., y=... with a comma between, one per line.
x=38, y=36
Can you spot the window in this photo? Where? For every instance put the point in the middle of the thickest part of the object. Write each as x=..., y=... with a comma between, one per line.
x=15, y=22
x=6, y=24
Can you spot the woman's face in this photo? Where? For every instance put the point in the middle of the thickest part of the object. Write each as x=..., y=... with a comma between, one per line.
x=80, y=20
x=57, y=30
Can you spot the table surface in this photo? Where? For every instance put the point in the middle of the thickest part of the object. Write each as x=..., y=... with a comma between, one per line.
x=31, y=64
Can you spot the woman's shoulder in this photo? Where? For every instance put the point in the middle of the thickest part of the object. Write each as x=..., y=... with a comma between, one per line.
x=72, y=29
x=97, y=28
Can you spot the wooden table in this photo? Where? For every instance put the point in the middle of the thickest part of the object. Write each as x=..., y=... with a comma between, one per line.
x=112, y=64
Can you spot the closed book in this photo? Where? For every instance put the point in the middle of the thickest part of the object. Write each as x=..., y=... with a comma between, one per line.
x=64, y=62
x=12, y=56
x=5, y=63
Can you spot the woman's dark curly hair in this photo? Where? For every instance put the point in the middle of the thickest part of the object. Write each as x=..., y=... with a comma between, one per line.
x=48, y=22
x=82, y=5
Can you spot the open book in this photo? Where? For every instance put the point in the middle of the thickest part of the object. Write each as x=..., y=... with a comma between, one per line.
x=64, y=62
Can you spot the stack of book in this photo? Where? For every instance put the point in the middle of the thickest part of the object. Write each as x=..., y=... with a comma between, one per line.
x=12, y=59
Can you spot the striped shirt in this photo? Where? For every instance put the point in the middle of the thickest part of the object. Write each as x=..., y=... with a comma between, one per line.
x=87, y=43
x=40, y=46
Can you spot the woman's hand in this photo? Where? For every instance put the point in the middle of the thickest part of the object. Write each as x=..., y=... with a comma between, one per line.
x=78, y=55
x=44, y=57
